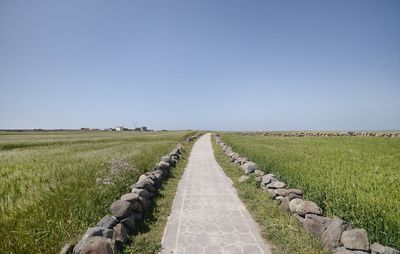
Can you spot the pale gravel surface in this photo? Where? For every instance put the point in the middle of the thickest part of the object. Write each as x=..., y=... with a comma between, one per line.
x=207, y=215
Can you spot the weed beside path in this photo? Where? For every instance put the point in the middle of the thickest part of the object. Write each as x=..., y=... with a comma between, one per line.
x=148, y=240
x=278, y=227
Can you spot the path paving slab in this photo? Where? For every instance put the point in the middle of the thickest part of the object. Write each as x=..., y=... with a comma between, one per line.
x=207, y=215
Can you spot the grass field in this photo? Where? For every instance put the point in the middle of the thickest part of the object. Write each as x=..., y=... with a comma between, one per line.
x=48, y=190
x=355, y=178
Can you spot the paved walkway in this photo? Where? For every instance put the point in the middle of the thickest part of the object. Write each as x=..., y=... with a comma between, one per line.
x=207, y=215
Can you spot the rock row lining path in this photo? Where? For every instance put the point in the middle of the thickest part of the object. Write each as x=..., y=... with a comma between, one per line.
x=207, y=215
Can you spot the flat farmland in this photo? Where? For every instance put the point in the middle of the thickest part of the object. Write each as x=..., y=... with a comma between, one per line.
x=56, y=184
x=355, y=178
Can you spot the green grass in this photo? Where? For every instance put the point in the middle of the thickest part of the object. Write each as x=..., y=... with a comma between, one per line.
x=48, y=190
x=278, y=227
x=148, y=241
x=355, y=178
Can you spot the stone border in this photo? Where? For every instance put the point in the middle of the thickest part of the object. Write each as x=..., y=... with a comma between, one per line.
x=318, y=133
x=112, y=232
x=336, y=235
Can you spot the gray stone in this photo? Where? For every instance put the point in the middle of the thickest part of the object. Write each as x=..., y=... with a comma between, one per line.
x=130, y=197
x=121, y=209
x=268, y=178
x=97, y=244
x=377, y=248
x=295, y=191
x=316, y=225
x=120, y=234
x=281, y=192
x=285, y=204
x=343, y=250
x=107, y=221
x=130, y=224
x=294, y=203
x=145, y=203
x=166, y=158
x=279, y=198
x=146, y=179
x=143, y=193
x=293, y=196
x=389, y=250
x=276, y=185
x=138, y=216
x=243, y=178
x=249, y=167
x=144, y=185
x=308, y=207
x=355, y=239
x=67, y=249
x=331, y=236
x=98, y=231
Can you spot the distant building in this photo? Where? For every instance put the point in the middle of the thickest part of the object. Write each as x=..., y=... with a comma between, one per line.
x=119, y=128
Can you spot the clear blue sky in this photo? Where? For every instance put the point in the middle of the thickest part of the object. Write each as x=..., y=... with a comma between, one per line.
x=214, y=64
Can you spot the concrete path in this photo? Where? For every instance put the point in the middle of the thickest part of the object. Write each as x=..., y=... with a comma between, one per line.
x=207, y=215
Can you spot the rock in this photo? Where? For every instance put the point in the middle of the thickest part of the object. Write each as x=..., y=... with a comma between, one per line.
x=146, y=179
x=268, y=178
x=331, y=236
x=120, y=234
x=295, y=191
x=138, y=216
x=243, y=178
x=355, y=239
x=279, y=198
x=377, y=248
x=308, y=207
x=143, y=193
x=145, y=203
x=258, y=172
x=276, y=185
x=285, y=204
x=316, y=225
x=121, y=209
x=249, y=167
x=97, y=244
x=145, y=185
x=389, y=250
x=343, y=250
x=166, y=158
x=107, y=221
x=281, y=192
x=130, y=224
x=293, y=196
x=164, y=167
x=258, y=179
x=67, y=249
x=294, y=203
x=130, y=197
x=98, y=231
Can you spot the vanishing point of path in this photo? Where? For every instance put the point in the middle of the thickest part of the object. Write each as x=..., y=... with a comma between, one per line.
x=207, y=215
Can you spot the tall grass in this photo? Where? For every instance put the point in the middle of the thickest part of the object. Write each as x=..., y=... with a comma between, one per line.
x=356, y=178
x=48, y=190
